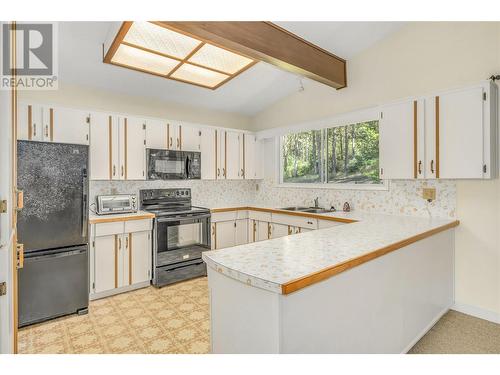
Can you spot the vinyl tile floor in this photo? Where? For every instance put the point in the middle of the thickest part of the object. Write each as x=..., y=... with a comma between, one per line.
x=175, y=319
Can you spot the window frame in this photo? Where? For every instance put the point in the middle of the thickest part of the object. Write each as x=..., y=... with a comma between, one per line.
x=384, y=186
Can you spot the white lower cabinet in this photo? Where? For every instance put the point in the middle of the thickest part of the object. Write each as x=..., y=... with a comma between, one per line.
x=225, y=234
x=120, y=257
x=278, y=230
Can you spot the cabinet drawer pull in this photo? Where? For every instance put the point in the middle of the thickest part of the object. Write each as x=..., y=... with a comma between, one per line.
x=224, y=172
x=122, y=170
x=420, y=167
x=218, y=171
x=126, y=242
x=34, y=130
x=432, y=166
x=309, y=222
x=46, y=131
x=119, y=243
x=114, y=170
x=177, y=142
x=170, y=141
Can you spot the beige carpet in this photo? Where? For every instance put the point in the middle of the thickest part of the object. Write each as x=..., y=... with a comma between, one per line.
x=457, y=333
x=175, y=319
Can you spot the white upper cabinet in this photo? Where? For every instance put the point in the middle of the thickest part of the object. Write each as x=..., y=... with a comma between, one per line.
x=399, y=127
x=69, y=126
x=451, y=134
x=221, y=154
x=174, y=134
x=101, y=146
x=189, y=135
x=252, y=158
x=134, y=142
x=461, y=130
x=156, y=134
x=234, y=160
x=52, y=124
x=208, y=148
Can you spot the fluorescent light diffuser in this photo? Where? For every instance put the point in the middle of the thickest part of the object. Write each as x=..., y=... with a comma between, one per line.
x=160, y=39
x=156, y=49
x=197, y=75
x=142, y=60
x=220, y=59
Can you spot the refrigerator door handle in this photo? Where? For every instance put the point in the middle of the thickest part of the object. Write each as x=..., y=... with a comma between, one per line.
x=84, y=204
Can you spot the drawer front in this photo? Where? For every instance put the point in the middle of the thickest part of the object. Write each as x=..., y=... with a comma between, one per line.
x=260, y=216
x=328, y=224
x=224, y=216
x=297, y=221
x=106, y=229
x=243, y=214
x=138, y=225
x=165, y=276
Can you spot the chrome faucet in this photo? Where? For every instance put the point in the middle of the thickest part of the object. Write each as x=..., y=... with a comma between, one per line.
x=316, y=202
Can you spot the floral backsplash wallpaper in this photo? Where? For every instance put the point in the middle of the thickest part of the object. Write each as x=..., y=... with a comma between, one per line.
x=404, y=197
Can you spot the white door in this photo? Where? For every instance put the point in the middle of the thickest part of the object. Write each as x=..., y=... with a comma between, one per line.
x=221, y=155
x=397, y=151
x=140, y=256
x=249, y=157
x=101, y=144
x=135, y=148
x=69, y=126
x=208, y=147
x=105, y=253
x=262, y=231
x=458, y=122
x=278, y=230
x=173, y=135
x=8, y=322
x=233, y=171
x=30, y=122
x=190, y=137
x=241, y=231
x=156, y=134
x=225, y=233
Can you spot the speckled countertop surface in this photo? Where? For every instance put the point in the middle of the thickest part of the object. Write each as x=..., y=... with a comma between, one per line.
x=94, y=218
x=273, y=263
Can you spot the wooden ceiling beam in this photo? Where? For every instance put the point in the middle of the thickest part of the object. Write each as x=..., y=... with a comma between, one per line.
x=268, y=42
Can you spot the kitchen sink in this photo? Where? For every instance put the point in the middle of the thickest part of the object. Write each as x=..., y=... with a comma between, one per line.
x=316, y=210
x=295, y=208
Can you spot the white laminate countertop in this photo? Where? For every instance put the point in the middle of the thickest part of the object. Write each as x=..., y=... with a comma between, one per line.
x=139, y=215
x=272, y=264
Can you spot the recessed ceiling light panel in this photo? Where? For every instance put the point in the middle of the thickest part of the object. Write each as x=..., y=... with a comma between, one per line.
x=199, y=76
x=220, y=59
x=156, y=49
x=159, y=39
x=142, y=60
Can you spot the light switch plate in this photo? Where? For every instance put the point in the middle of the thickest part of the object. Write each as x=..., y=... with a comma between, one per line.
x=429, y=193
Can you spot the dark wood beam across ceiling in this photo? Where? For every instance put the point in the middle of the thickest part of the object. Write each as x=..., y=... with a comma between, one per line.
x=268, y=42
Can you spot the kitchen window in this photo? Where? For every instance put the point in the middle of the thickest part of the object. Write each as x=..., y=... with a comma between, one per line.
x=341, y=156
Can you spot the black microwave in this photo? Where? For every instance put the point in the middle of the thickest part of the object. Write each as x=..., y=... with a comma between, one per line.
x=173, y=165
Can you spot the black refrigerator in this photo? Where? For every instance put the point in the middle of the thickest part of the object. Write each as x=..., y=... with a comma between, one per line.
x=53, y=227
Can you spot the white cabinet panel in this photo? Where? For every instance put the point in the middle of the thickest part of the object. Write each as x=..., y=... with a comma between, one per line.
x=140, y=256
x=397, y=125
x=458, y=122
x=241, y=231
x=279, y=230
x=30, y=122
x=69, y=126
x=225, y=234
x=101, y=129
x=135, y=149
x=208, y=145
x=105, y=252
x=189, y=137
x=233, y=171
x=173, y=132
x=250, y=157
x=156, y=134
x=262, y=230
x=221, y=154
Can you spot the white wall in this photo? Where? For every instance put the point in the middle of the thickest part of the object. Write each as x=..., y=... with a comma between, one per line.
x=75, y=96
x=418, y=59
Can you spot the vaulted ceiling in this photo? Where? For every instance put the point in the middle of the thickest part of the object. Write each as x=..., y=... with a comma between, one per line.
x=81, y=55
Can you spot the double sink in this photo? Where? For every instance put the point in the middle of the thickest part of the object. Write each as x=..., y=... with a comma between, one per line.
x=312, y=210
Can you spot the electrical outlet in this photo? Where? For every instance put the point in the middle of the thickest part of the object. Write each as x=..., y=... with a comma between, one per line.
x=429, y=193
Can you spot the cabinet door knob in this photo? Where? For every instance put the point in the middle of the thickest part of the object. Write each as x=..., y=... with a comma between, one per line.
x=432, y=166
x=122, y=170
x=170, y=141
x=114, y=170
x=34, y=130
x=218, y=171
x=420, y=167
x=46, y=131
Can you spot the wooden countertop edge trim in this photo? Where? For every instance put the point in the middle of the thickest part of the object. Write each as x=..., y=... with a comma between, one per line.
x=284, y=212
x=98, y=220
x=300, y=283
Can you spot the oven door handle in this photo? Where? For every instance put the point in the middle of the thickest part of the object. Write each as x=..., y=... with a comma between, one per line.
x=181, y=218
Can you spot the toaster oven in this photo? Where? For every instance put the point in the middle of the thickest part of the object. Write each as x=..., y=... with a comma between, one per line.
x=115, y=204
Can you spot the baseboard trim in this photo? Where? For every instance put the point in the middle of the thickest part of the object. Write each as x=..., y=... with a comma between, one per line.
x=477, y=312
x=123, y=289
x=425, y=330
